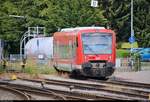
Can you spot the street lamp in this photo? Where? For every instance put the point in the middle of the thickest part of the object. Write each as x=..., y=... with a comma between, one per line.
x=28, y=34
x=16, y=16
x=131, y=39
x=22, y=17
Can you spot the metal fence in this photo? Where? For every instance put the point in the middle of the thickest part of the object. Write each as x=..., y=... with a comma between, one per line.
x=128, y=64
x=122, y=64
x=14, y=57
x=14, y=63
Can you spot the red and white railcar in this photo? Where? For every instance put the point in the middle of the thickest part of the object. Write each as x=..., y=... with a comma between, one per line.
x=88, y=51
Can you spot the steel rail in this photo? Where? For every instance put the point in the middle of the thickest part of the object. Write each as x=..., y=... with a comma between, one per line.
x=30, y=90
x=139, y=88
x=128, y=83
x=123, y=83
x=100, y=87
x=25, y=89
x=97, y=87
x=49, y=92
x=16, y=92
x=66, y=94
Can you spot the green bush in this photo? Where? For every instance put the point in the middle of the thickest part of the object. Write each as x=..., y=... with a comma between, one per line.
x=1, y=69
x=119, y=44
x=121, y=53
x=30, y=70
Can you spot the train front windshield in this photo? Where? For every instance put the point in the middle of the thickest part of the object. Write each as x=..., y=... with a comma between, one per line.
x=97, y=43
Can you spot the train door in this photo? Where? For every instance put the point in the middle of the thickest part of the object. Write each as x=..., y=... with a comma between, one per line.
x=73, y=53
x=56, y=56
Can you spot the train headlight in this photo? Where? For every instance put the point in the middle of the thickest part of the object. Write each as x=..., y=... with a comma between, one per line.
x=109, y=57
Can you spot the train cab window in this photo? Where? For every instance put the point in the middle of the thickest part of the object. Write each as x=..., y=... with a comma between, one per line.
x=97, y=43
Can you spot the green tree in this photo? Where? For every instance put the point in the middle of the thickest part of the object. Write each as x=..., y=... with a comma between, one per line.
x=142, y=22
x=55, y=14
x=51, y=14
x=10, y=28
x=71, y=13
x=118, y=14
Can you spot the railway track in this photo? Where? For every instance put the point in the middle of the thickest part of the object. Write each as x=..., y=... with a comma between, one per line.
x=34, y=93
x=31, y=91
x=8, y=93
x=116, y=88
x=139, y=88
x=118, y=91
x=134, y=84
x=123, y=83
x=58, y=94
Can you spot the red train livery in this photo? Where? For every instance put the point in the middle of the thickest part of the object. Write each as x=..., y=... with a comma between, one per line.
x=87, y=51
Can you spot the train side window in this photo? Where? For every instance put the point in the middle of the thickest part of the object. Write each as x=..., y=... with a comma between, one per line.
x=54, y=48
x=70, y=49
x=77, y=41
x=57, y=49
x=72, y=45
x=73, y=49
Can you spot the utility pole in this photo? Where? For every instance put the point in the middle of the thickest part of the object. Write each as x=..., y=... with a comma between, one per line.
x=132, y=30
x=132, y=39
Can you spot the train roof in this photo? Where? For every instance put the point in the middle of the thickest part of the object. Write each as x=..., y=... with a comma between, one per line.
x=79, y=28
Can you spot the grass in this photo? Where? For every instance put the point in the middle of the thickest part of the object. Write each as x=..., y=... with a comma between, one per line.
x=44, y=70
x=32, y=66
x=1, y=69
